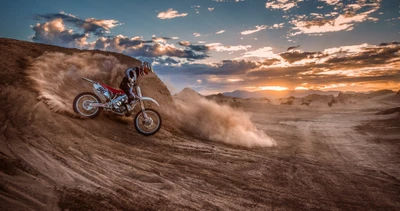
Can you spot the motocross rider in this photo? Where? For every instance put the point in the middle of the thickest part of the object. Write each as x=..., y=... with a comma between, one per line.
x=131, y=76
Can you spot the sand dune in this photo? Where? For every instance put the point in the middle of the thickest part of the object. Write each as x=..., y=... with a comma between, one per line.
x=299, y=157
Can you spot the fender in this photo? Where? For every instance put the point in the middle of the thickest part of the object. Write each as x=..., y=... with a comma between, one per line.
x=150, y=99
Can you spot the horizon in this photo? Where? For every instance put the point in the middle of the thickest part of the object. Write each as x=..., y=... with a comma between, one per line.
x=308, y=90
x=326, y=45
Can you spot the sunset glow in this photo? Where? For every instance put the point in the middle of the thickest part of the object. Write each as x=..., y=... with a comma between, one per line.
x=301, y=88
x=274, y=88
x=235, y=79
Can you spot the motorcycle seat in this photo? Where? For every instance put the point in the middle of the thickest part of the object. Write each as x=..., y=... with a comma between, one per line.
x=114, y=91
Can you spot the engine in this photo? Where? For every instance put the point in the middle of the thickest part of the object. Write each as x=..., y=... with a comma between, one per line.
x=119, y=101
x=121, y=110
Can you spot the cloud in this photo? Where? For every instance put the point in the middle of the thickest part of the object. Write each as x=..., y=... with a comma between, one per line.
x=347, y=64
x=228, y=0
x=341, y=23
x=258, y=28
x=264, y=52
x=158, y=50
x=269, y=62
x=262, y=27
x=166, y=61
x=99, y=26
x=196, y=34
x=292, y=47
x=332, y=68
x=184, y=43
x=196, y=8
x=331, y=2
x=137, y=47
x=55, y=32
x=220, y=32
x=200, y=48
x=364, y=63
x=277, y=26
x=297, y=55
x=219, y=47
x=170, y=13
x=161, y=39
x=333, y=21
x=225, y=67
x=213, y=46
x=120, y=42
x=281, y=4
x=368, y=56
x=89, y=25
x=392, y=43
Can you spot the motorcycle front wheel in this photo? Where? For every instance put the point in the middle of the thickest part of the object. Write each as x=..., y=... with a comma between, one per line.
x=82, y=105
x=150, y=125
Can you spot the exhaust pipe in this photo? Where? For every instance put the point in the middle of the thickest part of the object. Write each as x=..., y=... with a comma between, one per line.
x=103, y=105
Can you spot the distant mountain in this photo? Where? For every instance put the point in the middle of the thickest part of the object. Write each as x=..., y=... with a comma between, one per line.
x=277, y=94
x=187, y=93
x=219, y=97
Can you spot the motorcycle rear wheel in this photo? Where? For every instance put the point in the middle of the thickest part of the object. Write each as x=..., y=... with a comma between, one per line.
x=149, y=126
x=82, y=103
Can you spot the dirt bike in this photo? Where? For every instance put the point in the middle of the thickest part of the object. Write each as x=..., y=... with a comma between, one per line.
x=147, y=121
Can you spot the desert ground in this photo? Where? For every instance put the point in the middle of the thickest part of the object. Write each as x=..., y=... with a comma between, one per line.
x=212, y=153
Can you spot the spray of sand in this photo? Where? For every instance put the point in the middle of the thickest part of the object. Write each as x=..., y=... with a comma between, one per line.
x=57, y=79
x=57, y=76
x=219, y=122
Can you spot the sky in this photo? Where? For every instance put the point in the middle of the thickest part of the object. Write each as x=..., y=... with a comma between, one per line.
x=217, y=46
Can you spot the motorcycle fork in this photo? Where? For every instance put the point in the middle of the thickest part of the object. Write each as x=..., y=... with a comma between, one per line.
x=143, y=109
x=139, y=93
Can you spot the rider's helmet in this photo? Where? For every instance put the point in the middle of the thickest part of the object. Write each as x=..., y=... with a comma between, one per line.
x=146, y=68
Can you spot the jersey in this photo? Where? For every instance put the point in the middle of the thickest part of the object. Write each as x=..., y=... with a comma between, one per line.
x=129, y=73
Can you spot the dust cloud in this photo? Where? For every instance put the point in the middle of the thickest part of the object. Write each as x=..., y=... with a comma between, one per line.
x=217, y=122
x=57, y=76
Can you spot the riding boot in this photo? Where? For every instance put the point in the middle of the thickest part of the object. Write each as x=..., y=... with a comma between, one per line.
x=128, y=109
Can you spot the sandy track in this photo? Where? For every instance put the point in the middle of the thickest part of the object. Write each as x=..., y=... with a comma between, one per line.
x=337, y=164
x=321, y=162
